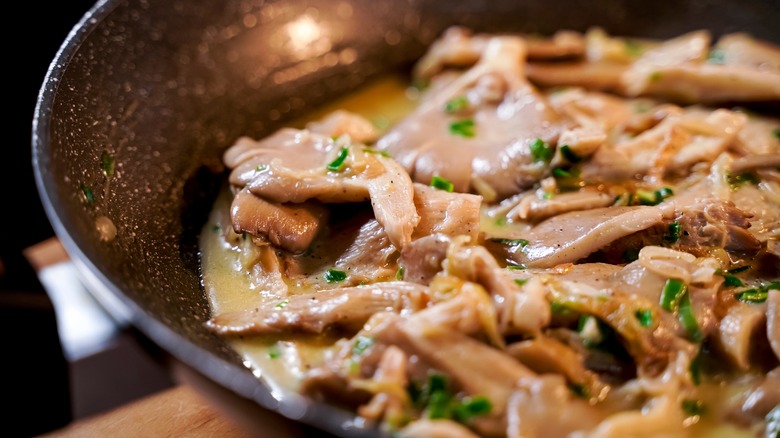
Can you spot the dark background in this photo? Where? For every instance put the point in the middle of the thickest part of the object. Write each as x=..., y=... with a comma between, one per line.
x=36, y=388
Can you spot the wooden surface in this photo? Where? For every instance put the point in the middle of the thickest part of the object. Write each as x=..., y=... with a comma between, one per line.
x=176, y=412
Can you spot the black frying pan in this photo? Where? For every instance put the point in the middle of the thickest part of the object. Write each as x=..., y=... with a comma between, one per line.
x=157, y=89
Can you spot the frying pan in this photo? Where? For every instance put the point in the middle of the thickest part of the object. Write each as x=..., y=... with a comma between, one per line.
x=144, y=96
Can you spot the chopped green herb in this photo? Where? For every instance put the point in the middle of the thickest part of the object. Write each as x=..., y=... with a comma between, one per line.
x=217, y=228
x=560, y=173
x=337, y=165
x=107, y=164
x=645, y=317
x=569, y=154
x=399, y=274
x=87, y=194
x=673, y=234
x=421, y=83
x=442, y=184
x=439, y=405
x=282, y=304
x=438, y=402
x=738, y=269
x=559, y=308
x=647, y=197
x=579, y=390
x=261, y=167
x=777, y=133
x=663, y=193
x=361, y=345
x=541, y=151
x=730, y=280
x=655, y=76
x=688, y=319
x=590, y=331
x=671, y=293
x=521, y=281
x=716, y=56
x=630, y=255
x=471, y=407
x=273, y=352
x=334, y=275
x=547, y=195
x=500, y=221
x=381, y=123
x=753, y=296
x=516, y=267
x=735, y=181
x=464, y=128
x=758, y=294
x=633, y=48
x=376, y=152
x=509, y=242
x=695, y=369
x=456, y=104
x=693, y=407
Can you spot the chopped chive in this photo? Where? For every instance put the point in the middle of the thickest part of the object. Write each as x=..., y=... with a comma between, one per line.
x=273, y=352
x=442, y=184
x=334, y=275
x=282, y=304
x=547, y=195
x=730, y=280
x=464, y=128
x=381, y=123
x=753, y=296
x=376, y=152
x=673, y=234
x=688, y=319
x=521, y=281
x=759, y=294
x=579, y=390
x=590, y=331
x=87, y=194
x=716, y=56
x=693, y=407
x=399, y=274
x=560, y=173
x=509, y=242
x=645, y=317
x=559, y=308
x=439, y=405
x=630, y=255
x=569, y=154
x=646, y=197
x=735, y=181
x=632, y=47
x=107, y=164
x=663, y=193
x=456, y=104
x=777, y=133
x=361, y=345
x=671, y=293
x=261, y=167
x=337, y=165
x=695, y=369
x=471, y=407
x=217, y=228
x=541, y=151
x=516, y=267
